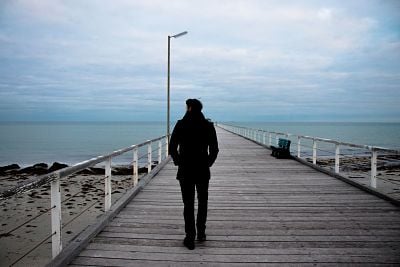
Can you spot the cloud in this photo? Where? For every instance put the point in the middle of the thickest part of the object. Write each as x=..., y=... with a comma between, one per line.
x=277, y=56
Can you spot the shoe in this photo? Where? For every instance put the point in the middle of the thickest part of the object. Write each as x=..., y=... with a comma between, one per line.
x=201, y=237
x=189, y=243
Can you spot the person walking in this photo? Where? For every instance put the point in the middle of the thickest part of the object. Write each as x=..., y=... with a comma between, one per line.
x=194, y=149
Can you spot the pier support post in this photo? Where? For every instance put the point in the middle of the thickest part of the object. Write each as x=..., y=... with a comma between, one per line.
x=107, y=185
x=135, y=166
x=56, y=242
x=337, y=158
x=374, y=158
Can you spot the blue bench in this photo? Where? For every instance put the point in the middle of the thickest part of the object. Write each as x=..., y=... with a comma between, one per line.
x=282, y=151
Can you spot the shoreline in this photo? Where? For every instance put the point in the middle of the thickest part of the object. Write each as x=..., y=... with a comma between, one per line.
x=25, y=220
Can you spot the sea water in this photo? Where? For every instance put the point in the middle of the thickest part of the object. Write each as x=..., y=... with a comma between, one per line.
x=27, y=143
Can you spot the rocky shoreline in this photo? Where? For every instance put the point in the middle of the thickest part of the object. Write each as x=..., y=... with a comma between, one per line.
x=43, y=168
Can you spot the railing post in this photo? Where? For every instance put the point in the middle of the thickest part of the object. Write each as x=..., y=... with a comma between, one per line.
x=166, y=148
x=135, y=166
x=337, y=158
x=107, y=185
x=298, y=146
x=264, y=137
x=56, y=242
x=149, y=156
x=314, y=152
x=374, y=158
x=159, y=151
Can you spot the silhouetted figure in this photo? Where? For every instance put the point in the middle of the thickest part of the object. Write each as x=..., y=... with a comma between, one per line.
x=194, y=148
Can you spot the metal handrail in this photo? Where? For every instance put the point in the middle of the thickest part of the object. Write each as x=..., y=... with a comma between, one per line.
x=368, y=147
x=254, y=134
x=54, y=179
x=46, y=178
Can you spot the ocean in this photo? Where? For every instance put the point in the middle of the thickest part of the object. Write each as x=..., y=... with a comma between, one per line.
x=27, y=143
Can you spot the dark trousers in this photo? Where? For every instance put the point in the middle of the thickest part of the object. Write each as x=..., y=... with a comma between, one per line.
x=188, y=188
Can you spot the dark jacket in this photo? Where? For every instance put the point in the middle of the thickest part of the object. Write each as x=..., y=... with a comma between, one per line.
x=193, y=146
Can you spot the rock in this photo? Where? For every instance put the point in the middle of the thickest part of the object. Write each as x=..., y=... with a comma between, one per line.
x=123, y=170
x=41, y=165
x=92, y=171
x=37, y=169
x=97, y=170
x=57, y=166
x=9, y=169
x=142, y=170
x=85, y=172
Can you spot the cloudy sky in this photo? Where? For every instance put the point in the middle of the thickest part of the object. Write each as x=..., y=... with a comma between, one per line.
x=246, y=60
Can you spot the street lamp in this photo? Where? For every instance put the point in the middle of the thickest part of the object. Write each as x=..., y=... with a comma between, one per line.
x=168, y=98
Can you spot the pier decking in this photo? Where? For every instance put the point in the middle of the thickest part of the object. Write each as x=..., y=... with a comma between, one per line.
x=262, y=211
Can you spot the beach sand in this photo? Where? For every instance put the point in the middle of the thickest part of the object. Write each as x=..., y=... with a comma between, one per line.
x=82, y=202
x=359, y=169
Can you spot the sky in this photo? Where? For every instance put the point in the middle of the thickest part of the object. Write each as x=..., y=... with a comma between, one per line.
x=98, y=60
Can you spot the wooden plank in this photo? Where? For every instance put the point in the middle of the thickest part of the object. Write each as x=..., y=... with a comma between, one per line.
x=378, y=245
x=259, y=232
x=243, y=258
x=86, y=261
x=264, y=238
x=252, y=251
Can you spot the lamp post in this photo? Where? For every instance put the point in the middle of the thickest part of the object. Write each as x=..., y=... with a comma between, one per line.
x=168, y=95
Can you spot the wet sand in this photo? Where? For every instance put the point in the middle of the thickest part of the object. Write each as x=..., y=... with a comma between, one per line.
x=82, y=202
x=359, y=169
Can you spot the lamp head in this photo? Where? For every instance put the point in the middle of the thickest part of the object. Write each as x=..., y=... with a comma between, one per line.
x=179, y=34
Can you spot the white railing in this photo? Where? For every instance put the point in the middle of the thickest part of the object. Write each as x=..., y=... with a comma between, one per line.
x=55, y=188
x=316, y=144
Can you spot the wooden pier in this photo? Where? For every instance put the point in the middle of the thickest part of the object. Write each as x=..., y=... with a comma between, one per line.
x=262, y=211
